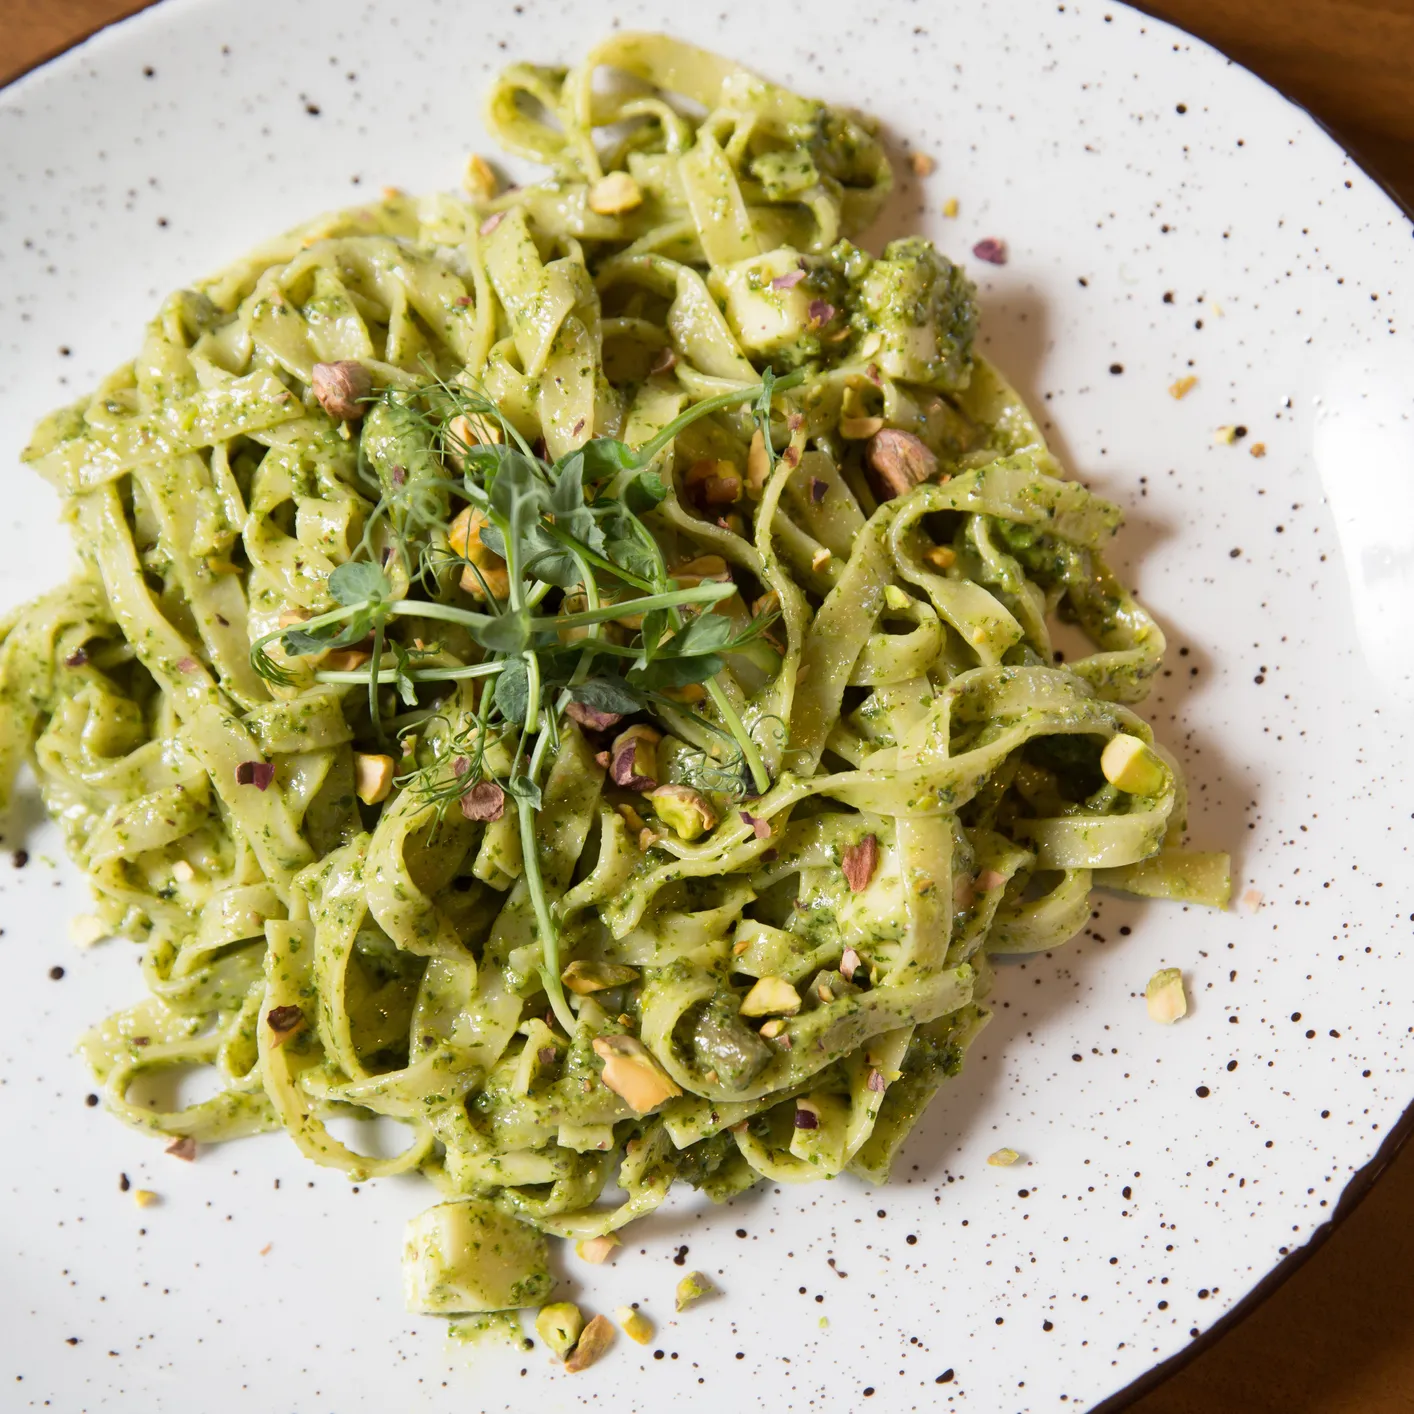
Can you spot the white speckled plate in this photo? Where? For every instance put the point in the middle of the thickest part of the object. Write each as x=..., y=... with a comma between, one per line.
x=1167, y=216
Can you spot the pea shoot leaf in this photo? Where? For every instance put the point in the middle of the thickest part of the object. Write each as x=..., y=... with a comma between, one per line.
x=671, y=672
x=507, y=633
x=402, y=660
x=605, y=457
x=525, y=791
x=606, y=695
x=704, y=634
x=357, y=582
x=297, y=641
x=644, y=491
x=513, y=692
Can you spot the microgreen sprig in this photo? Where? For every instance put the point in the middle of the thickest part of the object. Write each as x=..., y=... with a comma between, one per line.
x=559, y=525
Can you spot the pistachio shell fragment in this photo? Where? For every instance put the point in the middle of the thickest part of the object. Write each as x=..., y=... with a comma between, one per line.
x=595, y=1339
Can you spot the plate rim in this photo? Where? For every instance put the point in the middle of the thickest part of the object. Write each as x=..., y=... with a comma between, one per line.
x=1363, y=1180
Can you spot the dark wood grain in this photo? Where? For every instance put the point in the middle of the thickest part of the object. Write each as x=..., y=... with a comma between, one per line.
x=1338, y=1337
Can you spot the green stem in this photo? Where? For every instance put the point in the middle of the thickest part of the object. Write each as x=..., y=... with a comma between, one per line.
x=472, y=670
x=373, y=681
x=708, y=592
x=760, y=776
x=535, y=886
x=532, y=689
x=651, y=448
x=591, y=600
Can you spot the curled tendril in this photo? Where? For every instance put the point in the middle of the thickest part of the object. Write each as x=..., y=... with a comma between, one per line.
x=729, y=778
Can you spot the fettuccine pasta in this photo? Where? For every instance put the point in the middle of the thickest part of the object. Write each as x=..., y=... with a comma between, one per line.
x=568, y=669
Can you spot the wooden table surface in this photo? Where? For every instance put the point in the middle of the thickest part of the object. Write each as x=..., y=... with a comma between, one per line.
x=1338, y=1336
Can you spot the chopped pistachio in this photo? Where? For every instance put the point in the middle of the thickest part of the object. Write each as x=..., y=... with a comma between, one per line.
x=595, y=1339
x=632, y=1073
x=636, y=1325
x=693, y=1287
x=772, y=1028
x=922, y=164
x=145, y=1197
x=373, y=777
x=345, y=660
x=820, y=559
x=758, y=465
x=859, y=861
x=614, y=194
x=687, y=812
x=1003, y=1158
x=478, y=179
x=1258, y=449
x=691, y=693
x=1182, y=387
x=485, y=570
x=941, y=556
x=768, y=603
x=950, y=207
x=86, y=929
x=469, y=430
x=1226, y=434
x=896, y=598
x=712, y=483
x=182, y=872
x=899, y=460
x=582, y=978
x=559, y=1325
x=771, y=996
x=341, y=388
x=1130, y=765
x=690, y=573
x=633, y=758
x=1164, y=996
x=596, y=1250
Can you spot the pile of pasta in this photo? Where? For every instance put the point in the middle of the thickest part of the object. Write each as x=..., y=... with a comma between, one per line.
x=775, y=989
